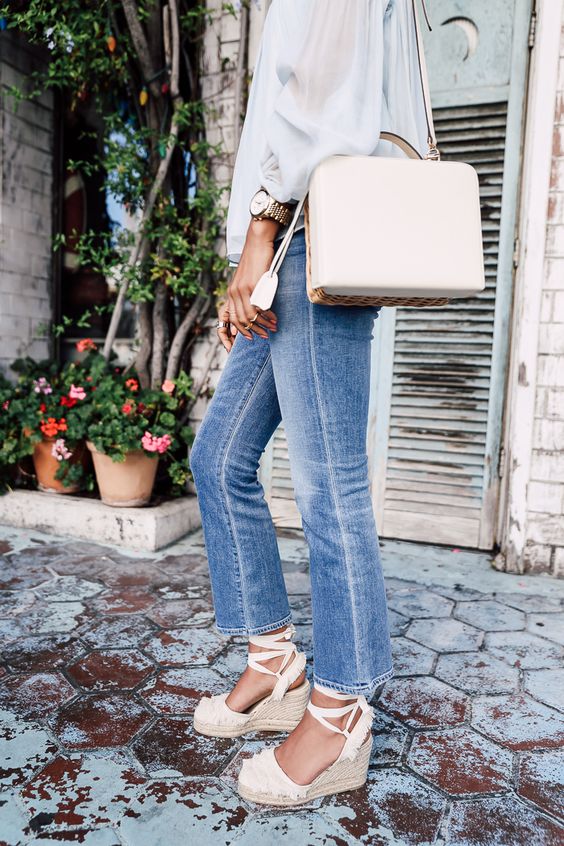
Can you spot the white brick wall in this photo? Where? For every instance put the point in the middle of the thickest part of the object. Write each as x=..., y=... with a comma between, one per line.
x=26, y=216
x=545, y=492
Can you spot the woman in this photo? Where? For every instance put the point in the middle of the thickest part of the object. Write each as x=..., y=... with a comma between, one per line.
x=330, y=75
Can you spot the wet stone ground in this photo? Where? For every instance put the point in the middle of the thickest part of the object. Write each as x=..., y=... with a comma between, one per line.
x=104, y=655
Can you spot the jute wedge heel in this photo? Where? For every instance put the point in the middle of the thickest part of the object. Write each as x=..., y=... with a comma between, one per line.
x=282, y=710
x=262, y=780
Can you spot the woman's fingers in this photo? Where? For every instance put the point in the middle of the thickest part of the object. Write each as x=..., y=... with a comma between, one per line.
x=270, y=316
x=225, y=338
x=247, y=319
x=237, y=314
x=257, y=320
x=268, y=319
x=225, y=332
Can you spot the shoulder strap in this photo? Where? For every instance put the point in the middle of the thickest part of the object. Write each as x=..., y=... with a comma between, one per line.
x=433, y=152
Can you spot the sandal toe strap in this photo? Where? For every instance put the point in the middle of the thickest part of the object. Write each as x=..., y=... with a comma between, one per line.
x=262, y=773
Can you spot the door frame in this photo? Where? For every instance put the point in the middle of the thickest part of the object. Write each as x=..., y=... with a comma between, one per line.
x=516, y=119
x=382, y=359
x=530, y=257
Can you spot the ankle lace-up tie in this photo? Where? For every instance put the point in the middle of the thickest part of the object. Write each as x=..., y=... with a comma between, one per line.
x=278, y=645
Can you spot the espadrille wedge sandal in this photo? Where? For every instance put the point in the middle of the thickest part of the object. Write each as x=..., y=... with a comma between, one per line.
x=282, y=710
x=263, y=780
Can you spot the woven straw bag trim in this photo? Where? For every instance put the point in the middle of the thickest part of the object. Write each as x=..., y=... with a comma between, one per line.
x=318, y=295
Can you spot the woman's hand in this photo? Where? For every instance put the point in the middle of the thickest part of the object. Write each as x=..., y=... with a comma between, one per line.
x=256, y=258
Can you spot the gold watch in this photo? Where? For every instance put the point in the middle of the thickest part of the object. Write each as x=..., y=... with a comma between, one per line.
x=265, y=207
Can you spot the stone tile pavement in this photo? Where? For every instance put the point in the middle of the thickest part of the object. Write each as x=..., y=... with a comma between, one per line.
x=103, y=656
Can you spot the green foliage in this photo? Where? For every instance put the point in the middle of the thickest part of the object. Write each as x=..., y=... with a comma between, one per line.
x=95, y=63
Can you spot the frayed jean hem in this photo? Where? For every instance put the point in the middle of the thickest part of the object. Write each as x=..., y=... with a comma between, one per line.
x=367, y=690
x=257, y=630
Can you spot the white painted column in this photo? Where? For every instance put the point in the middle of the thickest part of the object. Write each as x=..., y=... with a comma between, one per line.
x=522, y=382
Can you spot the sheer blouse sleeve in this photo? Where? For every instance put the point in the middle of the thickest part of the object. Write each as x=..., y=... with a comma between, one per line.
x=331, y=97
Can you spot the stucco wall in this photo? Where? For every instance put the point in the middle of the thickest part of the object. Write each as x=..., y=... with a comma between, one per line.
x=26, y=194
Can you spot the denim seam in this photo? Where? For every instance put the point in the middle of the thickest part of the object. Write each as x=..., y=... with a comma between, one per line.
x=356, y=690
x=255, y=630
x=333, y=485
x=222, y=486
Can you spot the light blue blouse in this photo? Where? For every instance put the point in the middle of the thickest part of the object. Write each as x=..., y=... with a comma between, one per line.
x=330, y=76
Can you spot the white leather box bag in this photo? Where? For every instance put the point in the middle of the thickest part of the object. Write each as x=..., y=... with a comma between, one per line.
x=414, y=239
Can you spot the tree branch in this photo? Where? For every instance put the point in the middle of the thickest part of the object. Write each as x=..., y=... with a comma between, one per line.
x=141, y=242
x=177, y=345
x=175, y=60
x=159, y=335
x=141, y=45
x=145, y=324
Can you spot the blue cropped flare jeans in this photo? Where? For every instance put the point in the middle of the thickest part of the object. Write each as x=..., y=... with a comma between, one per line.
x=314, y=374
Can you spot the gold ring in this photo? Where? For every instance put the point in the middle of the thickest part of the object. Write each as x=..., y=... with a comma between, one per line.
x=256, y=317
x=248, y=326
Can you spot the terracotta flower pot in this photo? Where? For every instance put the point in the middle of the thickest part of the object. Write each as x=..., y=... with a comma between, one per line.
x=46, y=465
x=126, y=483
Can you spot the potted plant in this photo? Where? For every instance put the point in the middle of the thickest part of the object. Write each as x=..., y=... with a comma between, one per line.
x=131, y=429
x=47, y=414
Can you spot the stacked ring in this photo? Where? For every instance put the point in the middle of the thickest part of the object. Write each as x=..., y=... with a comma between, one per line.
x=257, y=315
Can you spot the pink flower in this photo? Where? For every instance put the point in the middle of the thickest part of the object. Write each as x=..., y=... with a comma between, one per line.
x=127, y=408
x=163, y=443
x=154, y=443
x=148, y=442
x=76, y=392
x=42, y=386
x=6, y=405
x=59, y=450
x=168, y=386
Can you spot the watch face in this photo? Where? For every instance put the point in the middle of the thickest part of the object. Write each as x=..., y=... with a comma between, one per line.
x=260, y=203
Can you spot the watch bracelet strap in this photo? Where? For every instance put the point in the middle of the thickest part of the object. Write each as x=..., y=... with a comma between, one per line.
x=279, y=212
